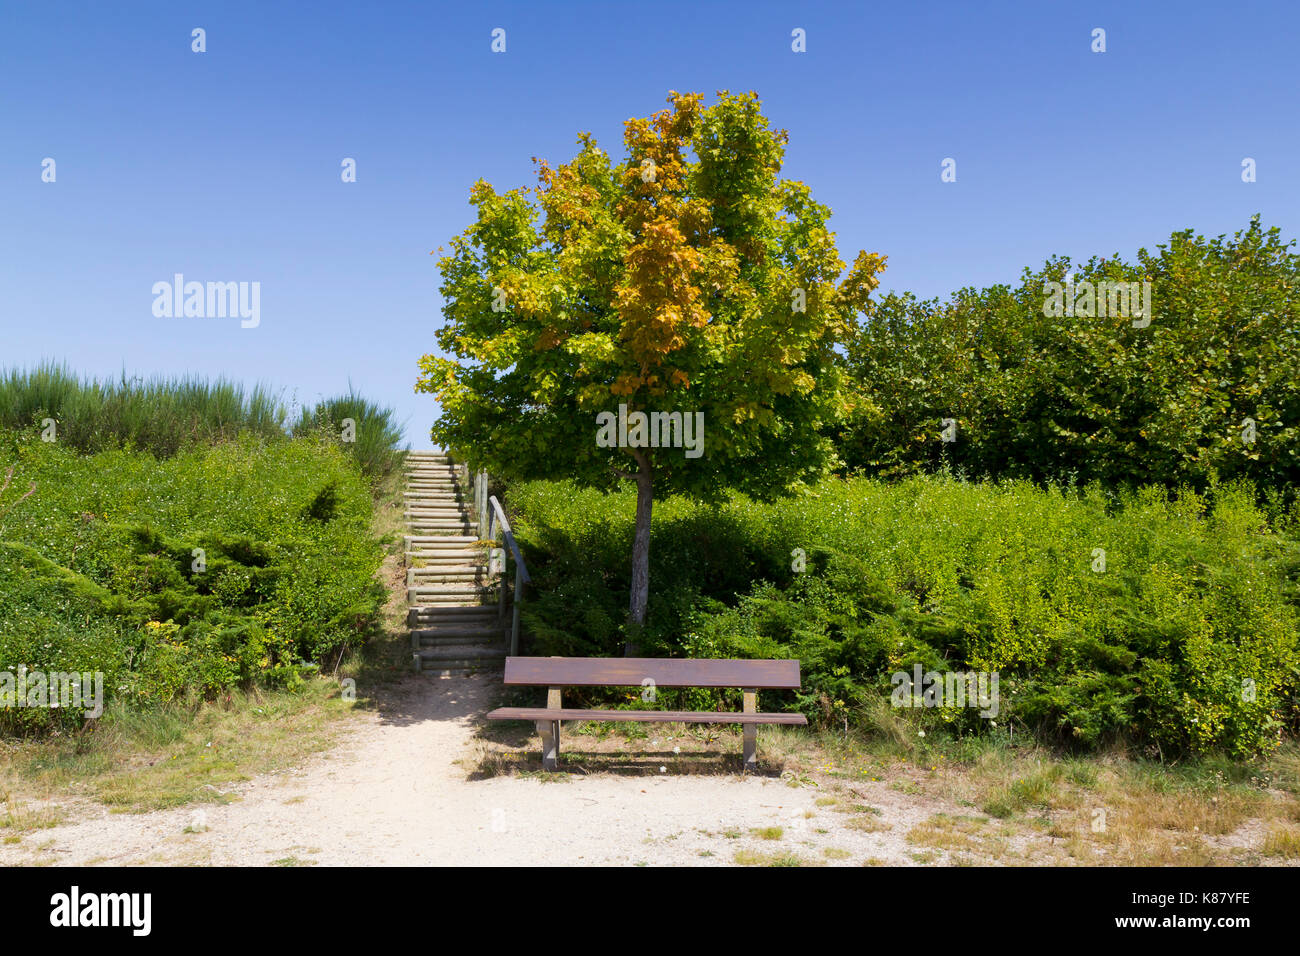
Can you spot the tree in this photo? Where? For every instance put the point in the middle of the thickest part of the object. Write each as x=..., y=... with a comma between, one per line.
x=688, y=280
x=1205, y=388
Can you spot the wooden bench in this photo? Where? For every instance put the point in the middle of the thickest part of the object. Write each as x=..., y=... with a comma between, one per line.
x=556, y=673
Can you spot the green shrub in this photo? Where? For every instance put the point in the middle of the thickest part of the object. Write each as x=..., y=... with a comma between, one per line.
x=374, y=438
x=1094, y=398
x=1197, y=595
x=217, y=567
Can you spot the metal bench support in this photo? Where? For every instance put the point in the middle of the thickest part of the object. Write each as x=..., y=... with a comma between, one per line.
x=549, y=730
x=751, y=731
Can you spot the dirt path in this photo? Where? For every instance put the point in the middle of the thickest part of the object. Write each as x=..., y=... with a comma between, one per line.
x=392, y=792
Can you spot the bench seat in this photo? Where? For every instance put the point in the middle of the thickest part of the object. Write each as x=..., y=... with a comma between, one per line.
x=651, y=716
x=649, y=673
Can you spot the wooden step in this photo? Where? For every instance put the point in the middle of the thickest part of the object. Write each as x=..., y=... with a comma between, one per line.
x=441, y=669
x=423, y=577
x=451, y=615
x=461, y=655
x=440, y=559
x=425, y=594
x=429, y=615
x=430, y=553
x=447, y=636
x=469, y=557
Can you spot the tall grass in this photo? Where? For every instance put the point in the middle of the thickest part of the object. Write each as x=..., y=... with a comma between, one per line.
x=159, y=415
x=165, y=416
x=374, y=437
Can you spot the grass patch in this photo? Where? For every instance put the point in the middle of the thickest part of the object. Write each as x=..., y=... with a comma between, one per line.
x=947, y=833
x=176, y=755
x=1283, y=841
x=753, y=858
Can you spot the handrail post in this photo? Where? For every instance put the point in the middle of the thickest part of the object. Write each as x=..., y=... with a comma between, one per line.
x=514, y=617
x=471, y=473
x=522, y=578
x=501, y=588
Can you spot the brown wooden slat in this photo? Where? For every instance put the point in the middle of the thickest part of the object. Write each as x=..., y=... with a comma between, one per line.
x=646, y=716
x=634, y=671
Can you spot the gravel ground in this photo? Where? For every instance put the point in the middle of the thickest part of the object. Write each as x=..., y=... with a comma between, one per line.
x=392, y=792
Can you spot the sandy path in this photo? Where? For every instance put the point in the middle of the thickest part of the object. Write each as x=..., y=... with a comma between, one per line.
x=391, y=793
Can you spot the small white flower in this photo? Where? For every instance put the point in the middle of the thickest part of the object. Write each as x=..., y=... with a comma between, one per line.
x=920, y=733
x=663, y=769
x=677, y=750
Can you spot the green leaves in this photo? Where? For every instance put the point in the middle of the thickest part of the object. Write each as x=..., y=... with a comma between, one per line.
x=1100, y=396
x=664, y=282
x=214, y=567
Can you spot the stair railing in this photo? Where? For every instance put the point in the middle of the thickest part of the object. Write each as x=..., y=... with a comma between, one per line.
x=497, y=521
x=479, y=478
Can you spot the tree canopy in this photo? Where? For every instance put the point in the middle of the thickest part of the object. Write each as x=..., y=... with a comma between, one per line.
x=1205, y=387
x=687, y=278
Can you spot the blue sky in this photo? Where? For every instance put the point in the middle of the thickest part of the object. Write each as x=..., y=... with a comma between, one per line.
x=225, y=165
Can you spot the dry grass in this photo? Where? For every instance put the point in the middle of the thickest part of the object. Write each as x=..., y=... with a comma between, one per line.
x=1283, y=841
x=20, y=818
x=754, y=858
x=942, y=832
x=867, y=824
x=174, y=756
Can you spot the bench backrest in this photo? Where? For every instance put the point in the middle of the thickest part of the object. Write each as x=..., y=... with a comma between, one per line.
x=639, y=671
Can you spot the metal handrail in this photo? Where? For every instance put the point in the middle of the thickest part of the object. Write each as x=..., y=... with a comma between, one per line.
x=500, y=517
x=497, y=519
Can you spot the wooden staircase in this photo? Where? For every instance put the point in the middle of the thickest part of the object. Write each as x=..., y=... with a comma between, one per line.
x=455, y=614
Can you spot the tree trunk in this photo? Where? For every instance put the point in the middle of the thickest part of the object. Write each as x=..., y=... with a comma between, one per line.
x=640, y=553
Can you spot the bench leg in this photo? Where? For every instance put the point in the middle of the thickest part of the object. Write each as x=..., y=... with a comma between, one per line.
x=549, y=730
x=751, y=730
x=554, y=702
x=751, y=747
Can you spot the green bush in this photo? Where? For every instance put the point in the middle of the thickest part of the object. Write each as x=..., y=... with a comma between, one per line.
x=374, y=439
x=1198, y=594
x=217, y=567
x=1094, y=398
